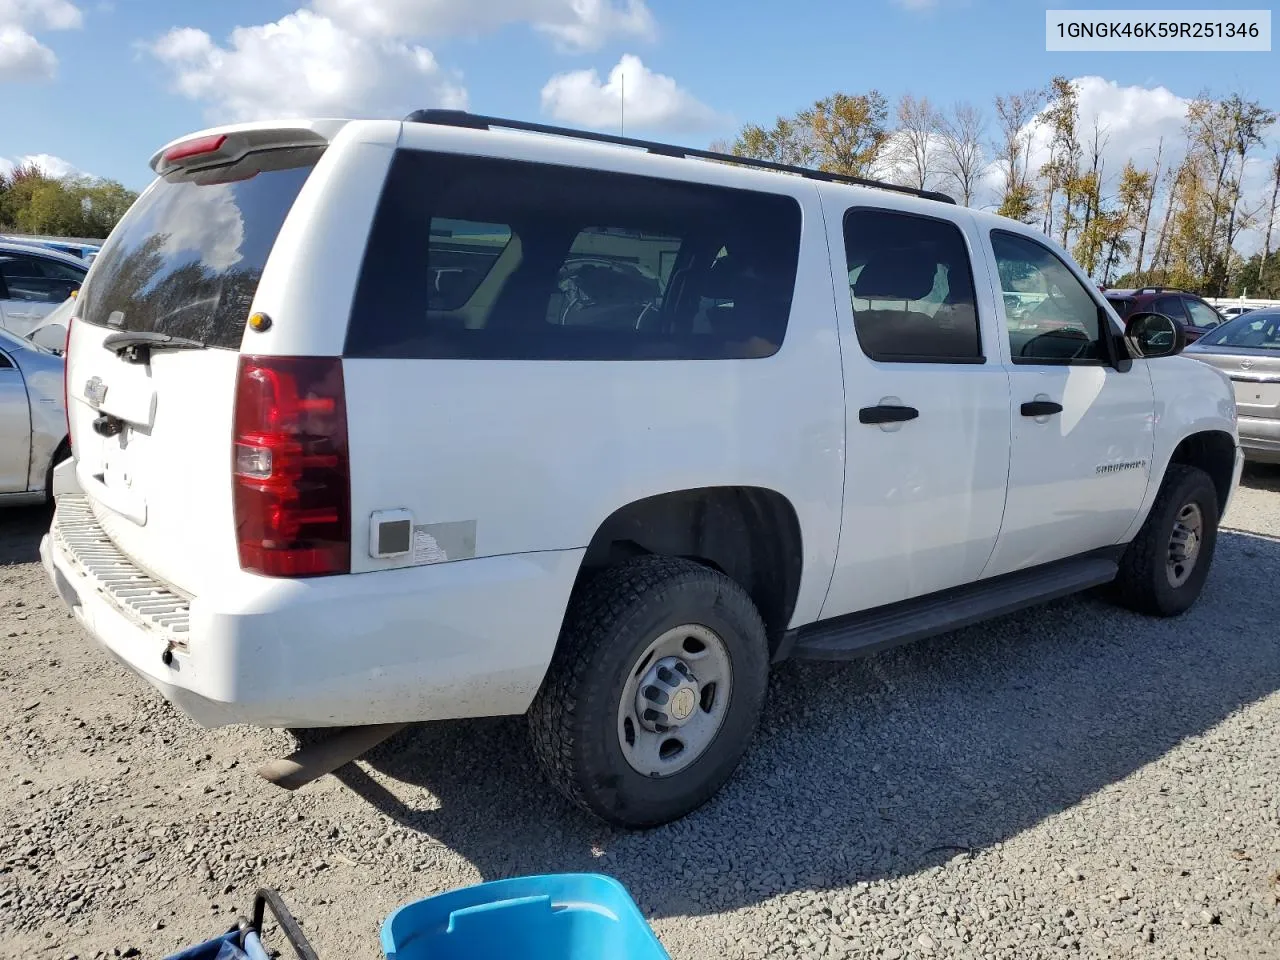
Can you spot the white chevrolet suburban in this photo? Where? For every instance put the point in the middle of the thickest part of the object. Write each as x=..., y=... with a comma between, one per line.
x=383, y=421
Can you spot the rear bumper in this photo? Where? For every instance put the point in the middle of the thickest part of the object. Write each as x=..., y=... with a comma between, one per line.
x=1259, y=439
x=463, y=639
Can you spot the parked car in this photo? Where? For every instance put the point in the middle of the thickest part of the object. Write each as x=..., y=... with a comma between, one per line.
x=33, y=281
x=1247, y=349
x=33, y=420
x=1230, y=313
x=1195, y=314
x=613, y=526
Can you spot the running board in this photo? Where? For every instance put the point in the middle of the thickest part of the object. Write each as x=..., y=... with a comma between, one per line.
x=870, y=631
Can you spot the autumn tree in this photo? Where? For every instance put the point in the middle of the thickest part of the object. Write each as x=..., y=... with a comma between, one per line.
x=848, y=131
x=1061, y=172
x=1017, y=115
x=842, y=133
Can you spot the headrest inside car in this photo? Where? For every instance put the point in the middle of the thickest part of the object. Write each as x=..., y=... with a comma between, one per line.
x=895, y=277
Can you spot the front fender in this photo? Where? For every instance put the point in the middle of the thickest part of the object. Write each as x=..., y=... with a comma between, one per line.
x=1190, y=397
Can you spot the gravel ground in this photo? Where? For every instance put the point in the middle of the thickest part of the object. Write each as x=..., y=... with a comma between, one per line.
x=1071, y=781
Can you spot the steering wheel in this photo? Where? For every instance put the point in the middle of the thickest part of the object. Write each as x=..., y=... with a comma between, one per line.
x=1059, y=336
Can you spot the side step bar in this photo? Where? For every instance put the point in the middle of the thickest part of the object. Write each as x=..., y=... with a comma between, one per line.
x=870, y=631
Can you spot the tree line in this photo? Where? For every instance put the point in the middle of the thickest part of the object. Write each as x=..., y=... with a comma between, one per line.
x=33, y=202
x=1170, y=223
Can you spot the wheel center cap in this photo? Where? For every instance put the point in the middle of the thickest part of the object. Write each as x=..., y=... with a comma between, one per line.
x=668, y=695
x=683, y=702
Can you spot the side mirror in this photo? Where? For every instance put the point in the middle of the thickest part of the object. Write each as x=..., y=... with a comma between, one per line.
x=1151, y=335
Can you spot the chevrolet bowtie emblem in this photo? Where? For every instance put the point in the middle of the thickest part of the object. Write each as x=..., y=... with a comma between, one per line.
x=95, y=391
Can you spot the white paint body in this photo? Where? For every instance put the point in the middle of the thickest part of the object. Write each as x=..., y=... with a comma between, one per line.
x=539, y=454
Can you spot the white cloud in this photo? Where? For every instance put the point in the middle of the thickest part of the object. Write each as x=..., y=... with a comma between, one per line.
x=303, y=64
x=46, y=163
x=22, y=56
x=653, y=100
x=573, y=24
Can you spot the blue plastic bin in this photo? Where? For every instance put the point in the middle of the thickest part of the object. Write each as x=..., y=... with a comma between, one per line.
x=567, y=916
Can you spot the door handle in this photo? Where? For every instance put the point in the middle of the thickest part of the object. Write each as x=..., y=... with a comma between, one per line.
x=885, y=413
x=1040, y=408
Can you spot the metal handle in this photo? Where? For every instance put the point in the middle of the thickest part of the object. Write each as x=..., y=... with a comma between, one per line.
x=885, y=413
x=1040, y=408
x=284, y=919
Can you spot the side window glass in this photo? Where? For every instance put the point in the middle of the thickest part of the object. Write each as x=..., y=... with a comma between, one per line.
x=1171, y=307
x=911, y=288
x=22, y=278
x=530, y=261
x=1051, y=317
x=462, y=253
x=612, y=278
x=1202, y=315
x=58, y=271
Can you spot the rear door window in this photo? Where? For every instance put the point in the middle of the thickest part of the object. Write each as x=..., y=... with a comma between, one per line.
x=1171, y=307
x=187, y=257
x=911, y=288
x=481, y=258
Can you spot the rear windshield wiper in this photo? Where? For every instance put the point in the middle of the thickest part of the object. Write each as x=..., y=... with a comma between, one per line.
x=136, y=346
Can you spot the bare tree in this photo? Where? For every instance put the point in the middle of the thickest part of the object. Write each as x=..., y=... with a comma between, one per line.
x=960, y=144
x=915, y=136
x=1146, y=213
x=1271, y=216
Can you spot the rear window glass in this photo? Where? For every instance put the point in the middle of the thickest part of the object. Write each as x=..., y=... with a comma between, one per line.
x=478, y=258
x=187, y=257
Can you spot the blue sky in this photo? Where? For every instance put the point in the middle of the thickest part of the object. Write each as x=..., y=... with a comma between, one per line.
x=99, y=85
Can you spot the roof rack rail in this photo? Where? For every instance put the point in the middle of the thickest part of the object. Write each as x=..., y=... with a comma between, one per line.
x=475, y=121
x=1158, y=289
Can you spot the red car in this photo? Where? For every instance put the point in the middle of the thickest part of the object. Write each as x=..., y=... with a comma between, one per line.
x=1196, y=316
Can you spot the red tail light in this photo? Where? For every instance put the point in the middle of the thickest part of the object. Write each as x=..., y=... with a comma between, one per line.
x=290, y=467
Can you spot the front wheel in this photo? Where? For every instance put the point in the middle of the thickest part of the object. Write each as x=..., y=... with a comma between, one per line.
x=654, y=691
x=1164, y=569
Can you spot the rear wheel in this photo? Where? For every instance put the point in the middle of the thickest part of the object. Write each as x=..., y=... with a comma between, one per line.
x=654, y=691
x=1164, y=569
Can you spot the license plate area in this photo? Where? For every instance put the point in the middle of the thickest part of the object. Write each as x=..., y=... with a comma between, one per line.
x=1253, y=396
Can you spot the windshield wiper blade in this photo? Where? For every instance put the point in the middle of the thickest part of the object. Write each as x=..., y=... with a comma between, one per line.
x=136, y=345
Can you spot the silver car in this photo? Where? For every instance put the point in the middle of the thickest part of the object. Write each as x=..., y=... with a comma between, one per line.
x=33, y=420
x=34, y=280
x=1247, y=349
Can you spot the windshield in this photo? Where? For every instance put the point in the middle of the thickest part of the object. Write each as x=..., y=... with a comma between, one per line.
x=1255, y=329
x=187, y=257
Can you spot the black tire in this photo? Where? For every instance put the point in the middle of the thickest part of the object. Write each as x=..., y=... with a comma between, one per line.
x=610, y=623
x=1143, y=583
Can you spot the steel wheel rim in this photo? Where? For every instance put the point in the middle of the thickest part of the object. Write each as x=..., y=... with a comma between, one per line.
x=1185, y=543
x=689, y=666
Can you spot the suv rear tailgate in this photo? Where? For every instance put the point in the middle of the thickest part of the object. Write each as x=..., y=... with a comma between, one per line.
x=151, y=425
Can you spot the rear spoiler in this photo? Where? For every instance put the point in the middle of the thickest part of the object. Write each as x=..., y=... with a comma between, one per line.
x=222, y=145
